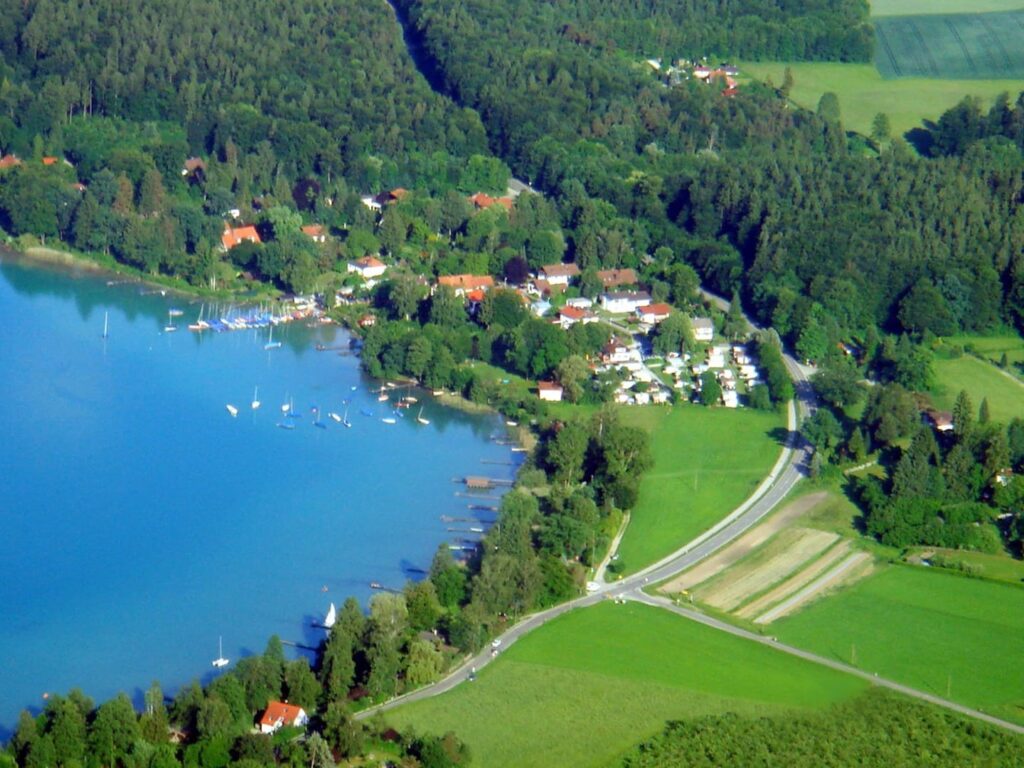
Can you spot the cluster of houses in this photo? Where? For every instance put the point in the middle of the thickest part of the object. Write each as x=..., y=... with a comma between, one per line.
x=674, y=74
x=730, y=364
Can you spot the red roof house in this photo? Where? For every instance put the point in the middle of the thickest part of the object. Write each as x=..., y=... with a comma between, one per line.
x=280, y=714
x=612, y=278
x=482, y=201
x=315, y=232
x=237, y=235
x=464, y=283
x=654, y=313
x=9, y=161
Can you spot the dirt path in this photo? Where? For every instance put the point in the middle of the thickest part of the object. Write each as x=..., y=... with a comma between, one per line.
x=745, y=544
x=832, y=578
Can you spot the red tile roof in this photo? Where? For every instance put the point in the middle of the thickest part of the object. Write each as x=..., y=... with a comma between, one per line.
x=475, y=296
x=314, y=230
x=466, y=282
x=481, y=200
x=613, y=277
x=50, y=160
x=573, y=313
x=237, y=235
x=549, y=386
x=9, y=161
x=655, y=309
x=279, y=713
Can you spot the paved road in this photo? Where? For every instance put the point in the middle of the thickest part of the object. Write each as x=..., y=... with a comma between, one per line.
x=788, y=470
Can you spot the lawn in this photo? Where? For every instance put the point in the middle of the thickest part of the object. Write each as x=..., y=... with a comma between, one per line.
x=925, y=7
x=588, y=686
x=932, y=630
x=993, y=347
x=1005, y=394
x=707, y=461
x=961, y=45
x=863, y=93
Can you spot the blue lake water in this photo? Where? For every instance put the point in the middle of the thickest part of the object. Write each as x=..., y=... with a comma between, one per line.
x=141, y=521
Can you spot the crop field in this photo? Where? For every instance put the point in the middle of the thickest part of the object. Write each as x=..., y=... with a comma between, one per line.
x=586, y=687
x=707, y=461
x=927, y=7
x=958, y=46
x=943, y=633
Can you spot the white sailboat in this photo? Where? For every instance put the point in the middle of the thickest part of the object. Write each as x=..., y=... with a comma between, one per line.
x=331, y=617
x=256, y=398
x=419, y=417
x=106, y=318
x=271, y=344
x=335, y=416
x=231, y=409
x=382, y=397
x=220, y=661
x=344, y=419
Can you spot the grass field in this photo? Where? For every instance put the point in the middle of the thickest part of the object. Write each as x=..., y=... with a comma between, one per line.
x=863, y=93
x=706, y=462
x=993, y=347
x=589, y=685
x=924, y=7
x=929, y=629
x=1005, y=394
x=958, y=46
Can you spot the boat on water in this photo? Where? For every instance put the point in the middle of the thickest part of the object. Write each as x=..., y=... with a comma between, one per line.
x=344, y=418
x=331, y=617
x=271, y=344
x=389, y=420
x=409, y=399
x=106, y=319
x=231, y=409
x=335, y=417
x=383, y=396
x=170, y=327
x=256, y=398
x=402, y=404
x=512, y=423
x=286, y=424
x=174, y=312
x=220, y=661
x=420, y=419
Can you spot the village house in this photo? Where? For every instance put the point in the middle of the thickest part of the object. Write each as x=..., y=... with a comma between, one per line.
x=368, y=267
x=622, y=302
x=234, y=236
x=280, y=714
x=9, y=161
x=559, y=274
x=716, y=356
x=652, y=314
x=569, y=316
x=703, y=329
x=616, y=352
x=315, y=232
x=550, y=391
x=461, y=284
x=580, y=302
x=941, y=420
x=615, y=278
x=482, y=201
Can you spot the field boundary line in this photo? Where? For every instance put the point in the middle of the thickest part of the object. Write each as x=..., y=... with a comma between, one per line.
x=811, y=589
x=960, y=41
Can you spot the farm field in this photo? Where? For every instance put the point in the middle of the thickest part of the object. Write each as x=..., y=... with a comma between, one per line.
x=993, y=347
x=863, y=93
x=923, y=7
x=929, y=629
x=589, y=685
x=1005, y=393
x=959, y=45
x=706, y=462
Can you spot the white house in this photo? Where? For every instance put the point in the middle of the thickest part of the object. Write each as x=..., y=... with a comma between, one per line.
x=716, y=357
x=616, y=352
x=730, y=399
x=622, y=302
x=569, y=316
x=368, y=267
x=550, y=391
x=559, y=274
x=280, y=714
x=580, y=302
x=703, y=329
x=652, y=314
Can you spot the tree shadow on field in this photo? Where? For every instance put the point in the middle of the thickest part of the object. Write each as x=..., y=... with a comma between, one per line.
x=781, y=436
x=922, y=138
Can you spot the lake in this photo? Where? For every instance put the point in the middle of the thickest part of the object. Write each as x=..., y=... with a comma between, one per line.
x=142, y=522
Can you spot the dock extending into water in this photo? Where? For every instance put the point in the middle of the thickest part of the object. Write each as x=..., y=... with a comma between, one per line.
x=480, y=483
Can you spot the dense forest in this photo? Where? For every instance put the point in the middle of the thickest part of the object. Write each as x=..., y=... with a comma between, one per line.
x=878, y=729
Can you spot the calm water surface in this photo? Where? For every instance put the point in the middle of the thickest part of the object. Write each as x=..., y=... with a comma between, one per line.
x=141, y=521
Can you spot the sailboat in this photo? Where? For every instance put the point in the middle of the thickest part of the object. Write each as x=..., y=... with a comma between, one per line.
x=331, y=617
x=220, y=661
x=316, y=421
x=389, y=420
x=344, y=419
x=106, y=318
x=231, y=409
x=170, y=327
x=271, y=344
x=382, y=397
x=256, y=398
x=335, y=416
x=419, y=417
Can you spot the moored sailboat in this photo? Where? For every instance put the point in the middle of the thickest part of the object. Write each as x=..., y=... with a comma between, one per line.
x=420, y=419
x=220, y=661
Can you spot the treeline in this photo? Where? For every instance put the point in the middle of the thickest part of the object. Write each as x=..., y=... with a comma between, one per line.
x=877, y=729
x=213, y=727
x=824, y=239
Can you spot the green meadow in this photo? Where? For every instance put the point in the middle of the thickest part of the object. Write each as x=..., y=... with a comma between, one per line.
x=707, y=461
x=981, y=380
x=585, y=688
x=933, y=630
x=926, y=7
x=863, y=93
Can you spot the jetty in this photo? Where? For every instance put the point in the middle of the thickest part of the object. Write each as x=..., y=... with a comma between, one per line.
x=293, y=644
x=480, y=483
x=498, y=461
x=382, y=588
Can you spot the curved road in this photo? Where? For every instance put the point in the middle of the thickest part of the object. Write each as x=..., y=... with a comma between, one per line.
x=788, y=470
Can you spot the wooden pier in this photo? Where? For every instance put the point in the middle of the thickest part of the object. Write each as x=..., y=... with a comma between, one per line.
x=480, y=483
